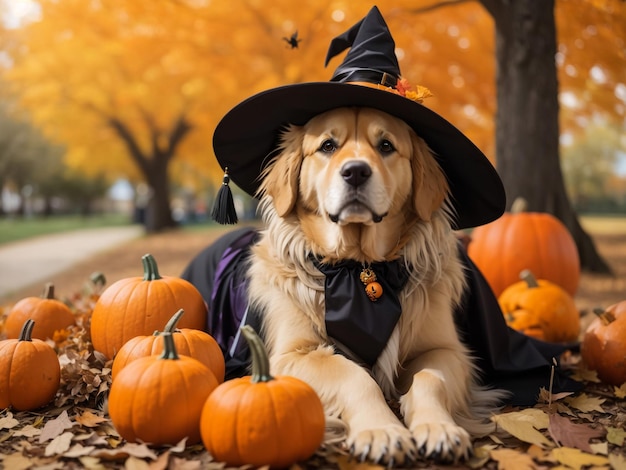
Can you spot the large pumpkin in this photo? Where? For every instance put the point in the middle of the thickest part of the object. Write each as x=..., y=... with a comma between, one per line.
x=521, y=240
x=541, y=309
x=49, y=315
x=189, y=342
x=603, y=347
x=262, y=420
x=158, y=399
x=30, y=372
x=142, y=305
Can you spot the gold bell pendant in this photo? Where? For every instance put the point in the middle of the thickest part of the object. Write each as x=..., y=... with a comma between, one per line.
x=372, y=288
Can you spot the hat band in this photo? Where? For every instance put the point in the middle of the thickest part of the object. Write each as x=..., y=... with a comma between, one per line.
x=370, y=76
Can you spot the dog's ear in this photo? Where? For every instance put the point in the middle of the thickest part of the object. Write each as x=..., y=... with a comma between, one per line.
x=430, y=186
x=281, y=177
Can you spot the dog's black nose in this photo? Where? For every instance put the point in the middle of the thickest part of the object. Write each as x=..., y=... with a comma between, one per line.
x=356, y=173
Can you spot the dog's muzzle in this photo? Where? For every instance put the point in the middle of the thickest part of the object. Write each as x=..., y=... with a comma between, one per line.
x=356, y=174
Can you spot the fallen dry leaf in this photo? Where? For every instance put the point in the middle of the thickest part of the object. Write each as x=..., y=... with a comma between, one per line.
x=524, y=425
x=546, y=397
x=575, y=458
x=600, y=448
x=586, y=403
x=127, y=450
x=134, y=463
x=8, y=421
x=59, y=445
x=509, y=459
x=618, y=462
x=55, y=427
x=89, y=419
x=185, y=464
x=480, y=457
x=16, y=462
x=162, y=461
x=620, y=392
x=78, y=450
x=570, y=434
x=615, y=435
x=91, y=463
x=27, y=431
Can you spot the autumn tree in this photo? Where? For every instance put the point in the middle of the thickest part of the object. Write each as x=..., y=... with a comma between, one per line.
x=590, y=165
x=129, y=86
x=527, y=118
x=528, y=51
x=26, y=157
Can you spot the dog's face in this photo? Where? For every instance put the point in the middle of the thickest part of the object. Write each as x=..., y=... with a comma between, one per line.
x=355, y=167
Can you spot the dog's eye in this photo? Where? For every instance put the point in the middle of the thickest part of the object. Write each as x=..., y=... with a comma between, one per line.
x=328, y=146
x=385, y=147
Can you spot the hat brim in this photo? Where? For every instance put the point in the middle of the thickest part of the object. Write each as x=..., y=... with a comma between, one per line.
x=247, y=136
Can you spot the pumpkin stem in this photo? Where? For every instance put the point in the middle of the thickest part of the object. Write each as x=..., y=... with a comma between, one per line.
x=606, y=316
x=48, y=291
x=26, y=333
x=170, y=326
x=169, y=348
x=519, y=205
x=529, y=277
x=260, y=360
x=150, y=268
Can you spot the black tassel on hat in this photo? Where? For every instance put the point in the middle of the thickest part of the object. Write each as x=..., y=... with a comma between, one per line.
x=224, y=207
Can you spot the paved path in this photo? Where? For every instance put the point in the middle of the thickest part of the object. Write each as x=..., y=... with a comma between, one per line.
x=26, y=262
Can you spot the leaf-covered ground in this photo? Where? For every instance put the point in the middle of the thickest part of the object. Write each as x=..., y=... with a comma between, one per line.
x=583, y=430
x=586, y=429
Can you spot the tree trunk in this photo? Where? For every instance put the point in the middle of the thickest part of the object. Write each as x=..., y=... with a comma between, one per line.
x=527, y=118
x=154, y=168
x=158, y=212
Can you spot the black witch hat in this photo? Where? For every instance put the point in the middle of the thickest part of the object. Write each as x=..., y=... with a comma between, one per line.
x=369, y=76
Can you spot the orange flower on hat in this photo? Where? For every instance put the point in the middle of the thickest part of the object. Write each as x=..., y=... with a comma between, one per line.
x=418, y=95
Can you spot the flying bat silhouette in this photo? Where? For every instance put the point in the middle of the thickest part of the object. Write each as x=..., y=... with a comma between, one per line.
x=293, y=41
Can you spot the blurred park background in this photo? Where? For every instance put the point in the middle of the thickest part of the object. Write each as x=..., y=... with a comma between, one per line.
x=107, y=107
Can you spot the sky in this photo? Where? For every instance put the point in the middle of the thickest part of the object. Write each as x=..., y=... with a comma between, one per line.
x=16, y=11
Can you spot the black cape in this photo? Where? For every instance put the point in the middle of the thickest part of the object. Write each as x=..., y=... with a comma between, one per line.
x=507, y=359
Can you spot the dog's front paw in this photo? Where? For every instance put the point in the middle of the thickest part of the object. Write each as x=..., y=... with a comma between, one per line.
x=443, y=442
x=390, y=445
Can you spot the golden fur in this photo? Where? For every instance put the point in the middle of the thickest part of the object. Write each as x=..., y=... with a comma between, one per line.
x=400, y=211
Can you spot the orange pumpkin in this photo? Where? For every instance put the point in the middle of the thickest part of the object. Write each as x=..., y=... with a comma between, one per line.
x=603, y=347
x=49, y=315
x=189, y=342
x=541, y=309
x=521, y=240
x=261, y=420
x=30, y=373
x=141, y=305
x=158, y=399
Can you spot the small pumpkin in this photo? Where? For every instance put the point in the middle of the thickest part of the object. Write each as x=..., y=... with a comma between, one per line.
x=541, y=309
x=30, y=373
x=49, y=315
x=603, y=347
x=525, y=240
x=141, y=305
x=262, y=420
x=189, y=342
x=158, y=399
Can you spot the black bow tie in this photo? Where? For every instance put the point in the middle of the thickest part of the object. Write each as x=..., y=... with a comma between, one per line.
x=356, y=322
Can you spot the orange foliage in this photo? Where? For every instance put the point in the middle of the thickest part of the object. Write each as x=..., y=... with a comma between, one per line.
x=149, y=62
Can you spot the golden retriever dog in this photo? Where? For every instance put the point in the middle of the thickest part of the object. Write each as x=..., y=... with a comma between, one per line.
x=359, y=184
x=357, y=281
